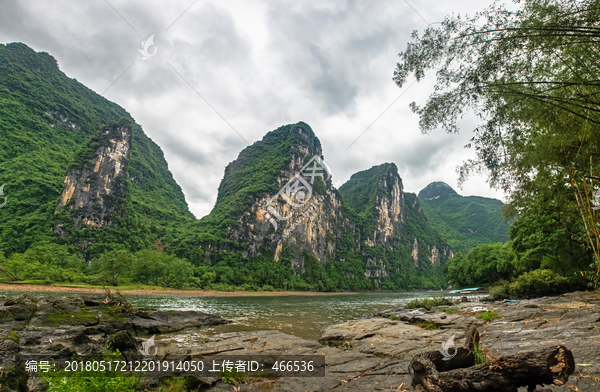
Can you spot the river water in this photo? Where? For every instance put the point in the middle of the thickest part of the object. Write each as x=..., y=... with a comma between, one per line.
x=303, y=316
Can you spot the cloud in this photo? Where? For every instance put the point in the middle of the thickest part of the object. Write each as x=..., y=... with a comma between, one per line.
x=258, y=65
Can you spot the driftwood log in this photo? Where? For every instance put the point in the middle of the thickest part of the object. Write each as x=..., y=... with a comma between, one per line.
x=431, y=373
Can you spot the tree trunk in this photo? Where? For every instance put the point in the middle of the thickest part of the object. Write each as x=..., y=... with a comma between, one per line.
x=552, y=365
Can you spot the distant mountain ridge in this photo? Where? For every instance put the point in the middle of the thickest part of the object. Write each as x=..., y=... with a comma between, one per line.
x=362, y=236
x=79, y=171
x=463, y=222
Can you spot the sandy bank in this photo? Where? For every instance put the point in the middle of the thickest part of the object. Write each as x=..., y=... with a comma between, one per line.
x=199, y=293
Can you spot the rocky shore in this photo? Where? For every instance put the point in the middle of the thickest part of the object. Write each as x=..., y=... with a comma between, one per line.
x=66, y=326
x=369, y=354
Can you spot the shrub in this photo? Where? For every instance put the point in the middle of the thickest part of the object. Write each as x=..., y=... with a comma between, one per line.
x=488, y=316
x=393, y=317
x=449, y=310
x=427, y=303
x=537, y=283
x=221, y=287
x=233, y=376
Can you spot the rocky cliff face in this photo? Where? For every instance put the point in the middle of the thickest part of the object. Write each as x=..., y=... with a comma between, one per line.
x=389, y=207
x=93, y=192
x=48, y=119
x=360, y=228
x=300, y=213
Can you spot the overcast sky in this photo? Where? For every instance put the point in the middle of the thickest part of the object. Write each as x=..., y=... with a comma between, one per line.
x=227, y=72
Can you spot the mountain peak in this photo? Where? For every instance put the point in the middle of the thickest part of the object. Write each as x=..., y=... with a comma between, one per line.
x=360, y=191
x=437, y=190
x=21, y=54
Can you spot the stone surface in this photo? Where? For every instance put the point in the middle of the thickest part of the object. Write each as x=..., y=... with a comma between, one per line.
x=370, y=354
x=373, y=354
x=63, y=327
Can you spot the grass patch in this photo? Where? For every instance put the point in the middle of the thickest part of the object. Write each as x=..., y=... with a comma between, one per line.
x=488, y=316
x=449, y=310
x=232, y=376
x=479, y=354
x=91, y=381
x=14, y=336
x=393, y=317
x=65, y=317
x=427, y=303
x=428, y=325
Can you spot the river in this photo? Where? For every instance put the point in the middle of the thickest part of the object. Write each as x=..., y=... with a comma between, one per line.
x=303, y=316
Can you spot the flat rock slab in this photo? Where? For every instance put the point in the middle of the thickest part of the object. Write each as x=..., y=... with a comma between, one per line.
x=373, y=354
x=65, y=326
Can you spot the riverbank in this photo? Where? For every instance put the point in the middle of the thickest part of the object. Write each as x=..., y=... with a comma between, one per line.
x=374, y=353
x=363, y=354
x=153, y=290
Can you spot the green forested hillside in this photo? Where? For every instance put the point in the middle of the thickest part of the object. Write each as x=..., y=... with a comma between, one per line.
x=464, y=222
x=57, y=138
x=46, y=121
x=360, y=190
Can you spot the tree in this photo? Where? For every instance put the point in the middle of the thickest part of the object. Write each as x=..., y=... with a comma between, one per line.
x=532, y=77
x=16, y=267
x=147, y=267
x=482, y=265
x=113, y=264
x=548, y=234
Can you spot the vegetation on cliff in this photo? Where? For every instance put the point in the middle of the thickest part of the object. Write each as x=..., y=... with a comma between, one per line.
x=464, y=222
x=50, y=123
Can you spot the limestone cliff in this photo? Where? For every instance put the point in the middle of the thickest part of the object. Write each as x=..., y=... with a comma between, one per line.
x=63, y=174
x=94, y=191
x=276, y=200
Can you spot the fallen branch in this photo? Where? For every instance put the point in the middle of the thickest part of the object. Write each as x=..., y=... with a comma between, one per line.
x=431, y=373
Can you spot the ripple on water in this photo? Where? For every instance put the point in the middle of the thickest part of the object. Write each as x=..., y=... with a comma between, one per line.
x=303, y=316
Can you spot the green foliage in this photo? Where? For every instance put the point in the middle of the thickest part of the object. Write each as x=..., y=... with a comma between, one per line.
x=14, y=336
x=549, y=235
x=427, y=303
x=44, y=261
x=449, y=310
x=160, y=269
x=537, y=283
x=488, y=315
x=90, y=381
x=361, y=189
x=49, y=124
x=530, y=76
x=113, y=264
x=482, y=266
x=232, y=376
x=393, y=317
x=479, y=354
x=463, y=222
x=429, y=325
